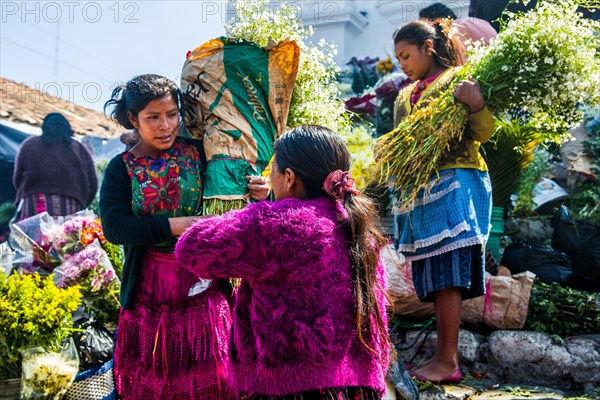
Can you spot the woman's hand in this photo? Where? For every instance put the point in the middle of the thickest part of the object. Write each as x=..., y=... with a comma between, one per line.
x=180, y=224
x=259, y=187
x=469, y=92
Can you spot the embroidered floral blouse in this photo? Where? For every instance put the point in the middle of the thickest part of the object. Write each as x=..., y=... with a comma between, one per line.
x=169, y=185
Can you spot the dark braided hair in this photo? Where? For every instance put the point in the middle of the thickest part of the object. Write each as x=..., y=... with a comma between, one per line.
x=446, y=50
x=56, y=129
x=135, y=95
x=313, y=152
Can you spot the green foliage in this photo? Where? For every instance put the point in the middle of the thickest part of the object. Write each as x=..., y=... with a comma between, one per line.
x=364, y=74
x=529, y=178
x=315, y=99
x=358, y=83
x=219, y=206
x=33, y=313
x=100, y=168
x=585, y=203
x=562, y=311
x=103, y=305
x=360, y=145
x=116, y=255
x=509, y=153
x=592, y=147
x=7, y=210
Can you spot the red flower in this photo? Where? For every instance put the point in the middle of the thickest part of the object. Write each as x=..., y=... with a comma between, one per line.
x=173, y=171
x=187, y=55
x=362, y=105
x=161, y=194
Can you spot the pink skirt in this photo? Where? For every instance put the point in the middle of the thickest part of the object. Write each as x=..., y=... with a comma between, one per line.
x=169, y=345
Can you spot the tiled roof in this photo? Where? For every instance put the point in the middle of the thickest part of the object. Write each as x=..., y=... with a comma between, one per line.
x=20, y=103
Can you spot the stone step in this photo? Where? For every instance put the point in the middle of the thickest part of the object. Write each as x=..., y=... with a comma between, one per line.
x=513, y=365
x=471, y=389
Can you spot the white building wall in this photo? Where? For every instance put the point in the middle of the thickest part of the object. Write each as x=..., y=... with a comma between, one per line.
x=362, y=28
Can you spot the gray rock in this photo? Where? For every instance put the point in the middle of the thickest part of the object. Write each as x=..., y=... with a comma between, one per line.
x=468, y=346
x=533, y=230
x=584, y=347
x=585, y=352
x=525, y=358
x=510, y=348
x=557, y=361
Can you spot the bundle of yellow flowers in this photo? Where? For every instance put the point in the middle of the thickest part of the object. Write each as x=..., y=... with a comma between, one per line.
x=33, y=313
x=384, y=67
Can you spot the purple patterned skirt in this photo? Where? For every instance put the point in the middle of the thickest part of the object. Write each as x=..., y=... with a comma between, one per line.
x=171, y=345
x=54, y=204
x=342, y=393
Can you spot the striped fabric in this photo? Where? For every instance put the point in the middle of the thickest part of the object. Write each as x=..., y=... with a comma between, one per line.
x=455, y=213
x=462, y=268
x=344, y=393
x=444, y=232
x=54, y=204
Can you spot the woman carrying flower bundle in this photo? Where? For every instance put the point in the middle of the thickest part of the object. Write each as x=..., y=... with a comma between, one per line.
x=173, y=328
x=443, y=231
x=309, y=319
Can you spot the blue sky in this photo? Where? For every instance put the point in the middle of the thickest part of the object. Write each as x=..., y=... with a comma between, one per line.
x=101, y=43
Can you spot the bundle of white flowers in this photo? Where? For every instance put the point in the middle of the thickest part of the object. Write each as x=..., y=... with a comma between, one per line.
x=48, y=375
x=545, y=62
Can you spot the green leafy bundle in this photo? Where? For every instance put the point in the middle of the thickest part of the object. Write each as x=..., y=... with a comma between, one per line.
x=562, y=311
x=508, y=154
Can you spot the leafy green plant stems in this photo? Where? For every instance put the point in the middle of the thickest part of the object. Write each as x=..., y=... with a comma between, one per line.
x=219, y=206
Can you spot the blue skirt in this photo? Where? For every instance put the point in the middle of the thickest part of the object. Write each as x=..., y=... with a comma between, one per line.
x=444, y=232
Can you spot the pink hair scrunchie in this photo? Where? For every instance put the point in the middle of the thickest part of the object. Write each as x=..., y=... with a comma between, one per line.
x=338, y=183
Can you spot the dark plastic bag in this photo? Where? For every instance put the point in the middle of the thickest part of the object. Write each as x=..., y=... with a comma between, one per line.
x=548, y=265
x=94, y=345
x=581, y=241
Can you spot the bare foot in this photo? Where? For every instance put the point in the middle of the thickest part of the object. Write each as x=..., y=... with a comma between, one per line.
x=412, y=367
x=436, y=371
x=425, y=363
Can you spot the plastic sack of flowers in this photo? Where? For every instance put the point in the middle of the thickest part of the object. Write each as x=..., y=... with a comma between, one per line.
x=32, y=253
x=91, y=269
x=545, y=62
x=47, y=375
x=70, y=234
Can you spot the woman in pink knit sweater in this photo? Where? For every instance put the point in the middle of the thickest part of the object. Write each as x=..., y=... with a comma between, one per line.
x=309, y=318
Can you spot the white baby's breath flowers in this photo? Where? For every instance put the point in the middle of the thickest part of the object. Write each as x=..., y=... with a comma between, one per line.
x=558, y=43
